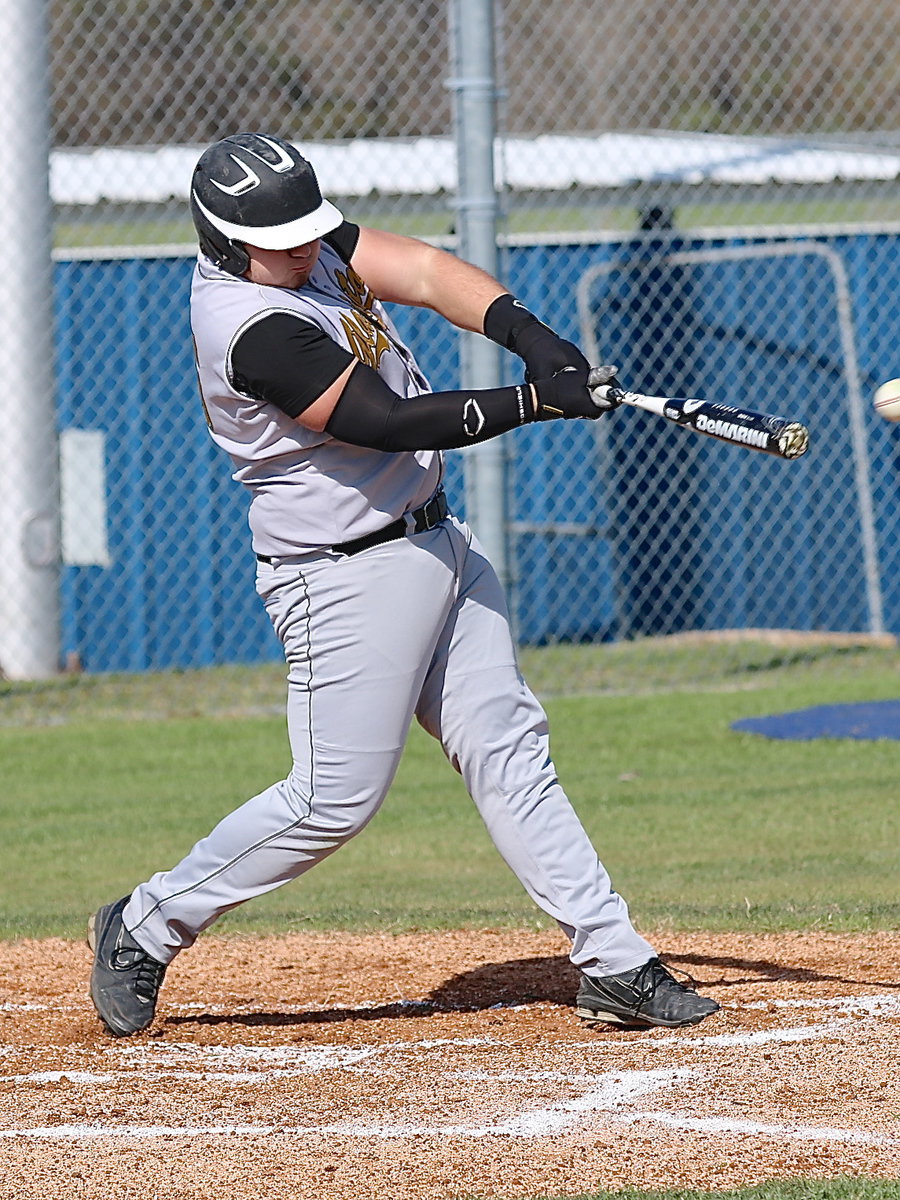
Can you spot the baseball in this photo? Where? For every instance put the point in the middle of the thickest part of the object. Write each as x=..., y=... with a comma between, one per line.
x=887, y=400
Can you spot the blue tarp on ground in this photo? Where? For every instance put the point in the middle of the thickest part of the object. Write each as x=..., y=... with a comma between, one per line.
x=866, y=721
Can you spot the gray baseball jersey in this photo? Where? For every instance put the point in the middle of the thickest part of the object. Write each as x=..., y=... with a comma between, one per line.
x=307, y=489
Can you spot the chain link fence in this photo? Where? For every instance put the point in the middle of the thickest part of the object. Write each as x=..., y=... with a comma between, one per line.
x=707, y=194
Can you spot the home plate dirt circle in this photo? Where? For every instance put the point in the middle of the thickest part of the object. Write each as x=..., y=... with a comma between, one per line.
x=433, y=1066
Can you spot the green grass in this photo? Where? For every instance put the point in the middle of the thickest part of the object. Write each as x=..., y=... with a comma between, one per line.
x=107, y=779
x=522, y=218
x=795, y=1189
x=649, y=666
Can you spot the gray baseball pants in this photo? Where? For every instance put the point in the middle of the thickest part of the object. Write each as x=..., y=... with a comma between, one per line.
x=413, y=627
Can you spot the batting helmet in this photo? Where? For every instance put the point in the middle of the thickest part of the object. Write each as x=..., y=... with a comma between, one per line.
x=255, y=188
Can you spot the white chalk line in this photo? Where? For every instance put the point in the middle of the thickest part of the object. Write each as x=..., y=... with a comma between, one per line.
x=189, y=1062
x=788, y=1131
x=761, y=1037
x=883, y=1004
x=607, y=1092
x=210, y=1063
x=610, y=1092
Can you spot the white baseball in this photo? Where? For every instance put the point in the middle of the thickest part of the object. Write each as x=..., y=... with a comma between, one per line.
x=887, y=400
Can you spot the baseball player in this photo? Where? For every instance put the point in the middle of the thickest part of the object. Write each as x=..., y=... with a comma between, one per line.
x=384, y=601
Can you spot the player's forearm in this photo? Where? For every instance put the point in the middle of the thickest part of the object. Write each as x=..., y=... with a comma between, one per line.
x=405, y=270
x=459, y=291
x=369, y=413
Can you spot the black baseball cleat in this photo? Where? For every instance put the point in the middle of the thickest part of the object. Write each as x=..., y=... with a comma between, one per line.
x=125, y=980
x=648, y=995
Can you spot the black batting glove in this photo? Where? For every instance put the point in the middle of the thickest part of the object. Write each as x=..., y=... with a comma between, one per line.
x=509, y=323
x=567, y=395
x=546, y=354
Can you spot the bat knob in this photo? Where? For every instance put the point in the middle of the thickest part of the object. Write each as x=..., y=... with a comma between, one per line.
x=607, y=398
x=604, y=387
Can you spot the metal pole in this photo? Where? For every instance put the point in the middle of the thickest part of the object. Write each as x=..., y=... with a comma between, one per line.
x=474, y=87
x=29, y=478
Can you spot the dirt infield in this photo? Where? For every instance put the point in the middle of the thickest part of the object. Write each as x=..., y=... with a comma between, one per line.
x=433, y=1066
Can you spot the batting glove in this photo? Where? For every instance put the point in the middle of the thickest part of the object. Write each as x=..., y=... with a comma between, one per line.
x=604, y=387
x=509, y=323
x=567, y=394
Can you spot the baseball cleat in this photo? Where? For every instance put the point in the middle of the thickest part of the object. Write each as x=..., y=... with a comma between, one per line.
x=648, y=995
x=125, y=980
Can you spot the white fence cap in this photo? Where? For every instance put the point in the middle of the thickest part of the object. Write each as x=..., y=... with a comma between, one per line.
x=427, y=166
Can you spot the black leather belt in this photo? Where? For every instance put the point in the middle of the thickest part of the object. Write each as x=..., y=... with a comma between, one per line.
x=420, y=520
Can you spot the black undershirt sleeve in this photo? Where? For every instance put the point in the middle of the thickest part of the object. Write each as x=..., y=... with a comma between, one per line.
x=369, y=413
x=343, y=239
x=287, y=361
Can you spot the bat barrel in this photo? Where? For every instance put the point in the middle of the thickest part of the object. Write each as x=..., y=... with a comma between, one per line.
x=737, y=426
x=743, y=427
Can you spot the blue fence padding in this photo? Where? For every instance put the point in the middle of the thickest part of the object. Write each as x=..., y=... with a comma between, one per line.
x=685, y=349
x=179, y=591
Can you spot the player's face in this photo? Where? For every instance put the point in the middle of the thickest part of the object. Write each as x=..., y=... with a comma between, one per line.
x=282, y=268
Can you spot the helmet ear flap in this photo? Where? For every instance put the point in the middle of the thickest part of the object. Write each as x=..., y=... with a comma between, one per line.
x=227, y=254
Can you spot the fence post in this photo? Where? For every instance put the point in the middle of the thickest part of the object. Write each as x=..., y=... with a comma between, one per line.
x=474, y=87
x=29, y=478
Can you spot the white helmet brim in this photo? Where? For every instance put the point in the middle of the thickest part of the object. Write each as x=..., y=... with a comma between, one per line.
x=279, y=237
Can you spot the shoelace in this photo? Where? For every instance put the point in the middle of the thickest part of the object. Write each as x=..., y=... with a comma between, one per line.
x=651, y=977
x=148, y=972
x=149, y=977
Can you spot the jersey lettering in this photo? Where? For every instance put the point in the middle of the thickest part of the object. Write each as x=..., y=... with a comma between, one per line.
x=367, y=339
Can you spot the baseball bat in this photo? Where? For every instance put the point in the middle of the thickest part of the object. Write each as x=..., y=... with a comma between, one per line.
x=737, y=426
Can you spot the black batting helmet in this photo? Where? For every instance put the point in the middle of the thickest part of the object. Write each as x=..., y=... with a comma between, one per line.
x=252, y=187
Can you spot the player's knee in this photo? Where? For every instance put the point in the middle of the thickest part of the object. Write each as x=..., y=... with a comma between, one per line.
x=345, y=818
x=331, y=820
x=296, y=791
